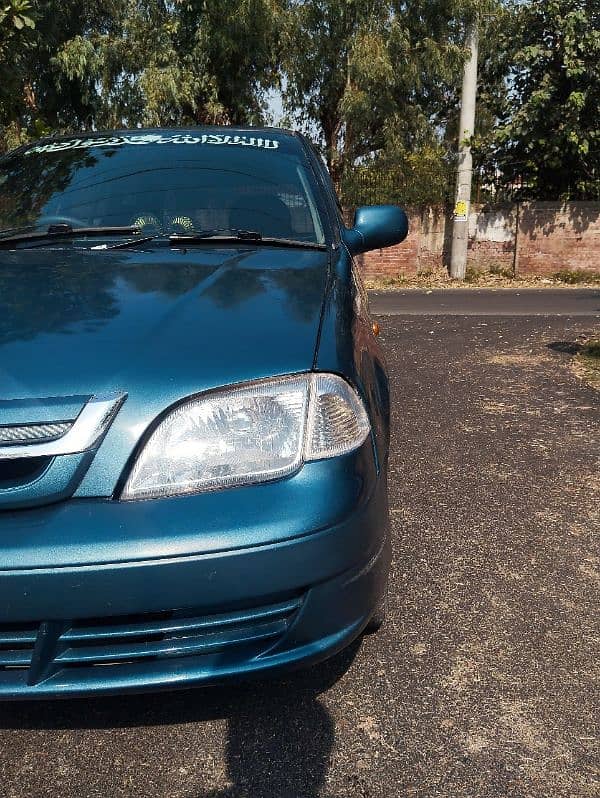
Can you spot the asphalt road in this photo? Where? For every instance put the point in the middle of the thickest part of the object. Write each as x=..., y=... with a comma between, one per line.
x=486, y=679
x=488, y=302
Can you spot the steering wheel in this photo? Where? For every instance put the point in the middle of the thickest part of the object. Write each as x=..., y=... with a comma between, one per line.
x=46, y=221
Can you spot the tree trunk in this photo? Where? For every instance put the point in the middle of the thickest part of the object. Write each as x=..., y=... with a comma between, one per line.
x=331, y=132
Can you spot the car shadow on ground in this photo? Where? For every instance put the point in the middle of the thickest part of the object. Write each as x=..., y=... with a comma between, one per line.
x=566, y=347
x=279, y=737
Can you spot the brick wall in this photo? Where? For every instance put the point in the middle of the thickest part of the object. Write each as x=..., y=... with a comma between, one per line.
x=533, y=238
x=553, y=237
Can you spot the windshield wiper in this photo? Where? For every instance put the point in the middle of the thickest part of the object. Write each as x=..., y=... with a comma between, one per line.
x=17, y=229
x=227, y=235
x=126, y=244
x=217, y=232
x=66, y=231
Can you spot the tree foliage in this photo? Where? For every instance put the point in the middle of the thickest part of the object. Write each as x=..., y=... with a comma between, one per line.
x=543, y=86
x=112, y=63
x=15, y=29
x=376, y=82
x=13, y=17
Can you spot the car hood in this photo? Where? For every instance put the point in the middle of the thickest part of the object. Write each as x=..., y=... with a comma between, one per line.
x=77, y=322
x=159, y=325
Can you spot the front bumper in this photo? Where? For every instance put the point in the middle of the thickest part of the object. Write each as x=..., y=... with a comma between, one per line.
x=174, y=621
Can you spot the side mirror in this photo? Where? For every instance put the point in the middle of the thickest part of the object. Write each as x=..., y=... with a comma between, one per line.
x=375, y=227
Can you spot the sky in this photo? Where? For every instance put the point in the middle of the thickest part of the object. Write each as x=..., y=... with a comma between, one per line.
x=275, y=107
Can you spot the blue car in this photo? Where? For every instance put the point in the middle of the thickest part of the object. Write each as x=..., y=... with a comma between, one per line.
x=194, y=412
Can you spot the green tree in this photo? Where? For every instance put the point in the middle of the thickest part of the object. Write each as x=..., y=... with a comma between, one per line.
x=16, y=25
x=321, y=47
x=13, y=17
x=378, y=80
x=40, y=95
x=545, y=95
x=111, y=63
x=178, y=63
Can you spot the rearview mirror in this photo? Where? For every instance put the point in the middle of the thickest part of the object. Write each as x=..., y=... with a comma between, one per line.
x=375, y=227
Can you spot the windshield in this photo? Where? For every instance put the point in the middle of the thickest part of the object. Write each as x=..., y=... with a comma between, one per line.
x=163, y=183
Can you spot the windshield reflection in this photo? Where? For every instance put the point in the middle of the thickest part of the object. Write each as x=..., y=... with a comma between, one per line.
x=162, y=188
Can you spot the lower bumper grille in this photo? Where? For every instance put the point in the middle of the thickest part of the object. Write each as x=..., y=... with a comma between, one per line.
x=16, y=645
x=48, y=648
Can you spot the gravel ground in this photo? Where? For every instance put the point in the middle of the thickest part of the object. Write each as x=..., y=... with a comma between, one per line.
x=486, y=679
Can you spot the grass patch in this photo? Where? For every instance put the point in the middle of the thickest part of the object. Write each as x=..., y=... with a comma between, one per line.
x=576, y=276
x=385, y=283
x=499, y=270
x=473, y=274
x=592, y=350
x=492, y=275
x=588, y=363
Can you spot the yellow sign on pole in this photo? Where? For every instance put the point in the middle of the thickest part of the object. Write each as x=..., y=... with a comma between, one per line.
x=461, y=211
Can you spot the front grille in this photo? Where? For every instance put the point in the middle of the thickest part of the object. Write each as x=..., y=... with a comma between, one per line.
x=16, y=645
x=51, y=647
x=33, y=433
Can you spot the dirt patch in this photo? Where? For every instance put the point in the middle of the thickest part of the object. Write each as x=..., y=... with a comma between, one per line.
x=464, y=673
x=514, y=359
x=485, y=280
x=518, y=723
x=585, y=356
x=591, y=568
x=501, y=408
x=587, y=368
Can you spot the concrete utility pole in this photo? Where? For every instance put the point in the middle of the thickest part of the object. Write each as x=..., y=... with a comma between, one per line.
x=460, y=231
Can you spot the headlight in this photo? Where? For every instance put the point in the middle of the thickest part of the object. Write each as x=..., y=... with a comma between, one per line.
x=254, y=433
